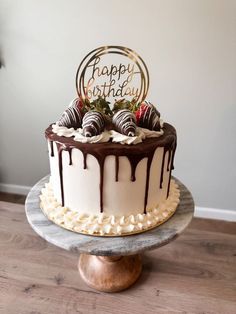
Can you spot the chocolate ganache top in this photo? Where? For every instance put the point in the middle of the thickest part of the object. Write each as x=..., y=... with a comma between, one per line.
x=110, y=148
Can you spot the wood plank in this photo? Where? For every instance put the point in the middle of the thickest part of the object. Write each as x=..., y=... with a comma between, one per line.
x=14, y=198
x=213, y=225
x=194, y=274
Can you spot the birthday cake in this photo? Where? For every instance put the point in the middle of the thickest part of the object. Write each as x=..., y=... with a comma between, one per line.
x=110, y=163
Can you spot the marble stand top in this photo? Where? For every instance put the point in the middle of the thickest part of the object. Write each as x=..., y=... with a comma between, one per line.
x=107, y=246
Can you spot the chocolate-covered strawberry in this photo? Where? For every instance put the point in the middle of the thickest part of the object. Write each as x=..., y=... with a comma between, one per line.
x=71, y=118
x=93, y=123
x=125, y=122
x=78, y=104
x=148, y=117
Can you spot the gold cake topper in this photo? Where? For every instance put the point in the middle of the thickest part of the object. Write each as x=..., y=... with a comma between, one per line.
x=112, y=72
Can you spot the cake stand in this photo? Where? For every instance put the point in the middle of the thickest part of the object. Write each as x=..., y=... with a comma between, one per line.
x=109, y=264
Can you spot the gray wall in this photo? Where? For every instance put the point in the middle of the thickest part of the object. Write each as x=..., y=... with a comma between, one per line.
x=189, y=47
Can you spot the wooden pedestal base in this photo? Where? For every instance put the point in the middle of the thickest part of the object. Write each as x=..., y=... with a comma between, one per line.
x=102, y=271
x=109, y=273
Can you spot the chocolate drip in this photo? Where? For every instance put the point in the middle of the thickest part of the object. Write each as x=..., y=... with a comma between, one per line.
x=149, y=162
x=135, y=153
x=85, y=160
x=70, y=159
x=168, y=187
x=60, y=150
x=134, y=160
x=172, y=166
x=168, y=162
x=162, y=167
x=51, y=149
x=174, y=149
x=117, y=167
x=101, y=183
x=169, y=170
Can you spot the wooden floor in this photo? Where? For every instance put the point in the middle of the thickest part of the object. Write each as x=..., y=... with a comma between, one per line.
x=14, y=198
x=194, y=274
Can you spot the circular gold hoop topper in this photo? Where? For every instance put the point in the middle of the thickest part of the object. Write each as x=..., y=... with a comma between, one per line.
x=112, y=72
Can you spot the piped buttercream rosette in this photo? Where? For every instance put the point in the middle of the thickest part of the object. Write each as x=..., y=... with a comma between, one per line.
x=106, y=135
x=108, y=225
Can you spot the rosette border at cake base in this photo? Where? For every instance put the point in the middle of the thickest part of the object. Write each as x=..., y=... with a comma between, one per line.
x=108, y=225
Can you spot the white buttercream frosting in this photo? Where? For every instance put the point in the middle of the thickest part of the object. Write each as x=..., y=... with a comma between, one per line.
x=141, y=135
x=108, y=225
x=125, y=139
x=78, y=134
x=105, y=136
